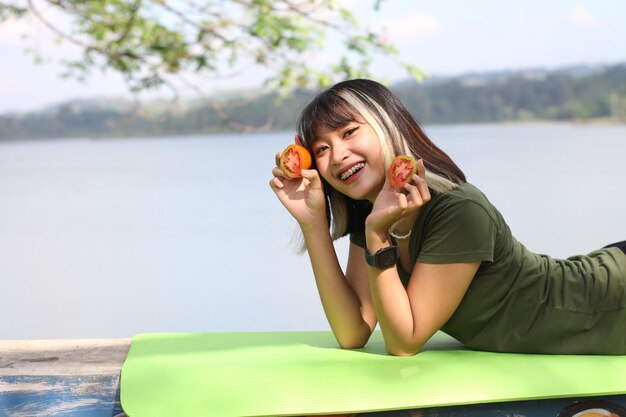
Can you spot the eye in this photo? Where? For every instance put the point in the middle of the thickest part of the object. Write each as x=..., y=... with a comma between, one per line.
x=320, y=149
x=350, y=131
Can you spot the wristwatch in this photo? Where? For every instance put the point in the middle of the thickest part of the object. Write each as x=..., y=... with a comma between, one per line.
x=383, y=258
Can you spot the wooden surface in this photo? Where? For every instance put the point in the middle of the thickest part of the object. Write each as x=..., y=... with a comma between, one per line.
x=71, y=378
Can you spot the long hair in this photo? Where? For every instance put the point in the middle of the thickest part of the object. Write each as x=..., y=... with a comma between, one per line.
x=397, y=130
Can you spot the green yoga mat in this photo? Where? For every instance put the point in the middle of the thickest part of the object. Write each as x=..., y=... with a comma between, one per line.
x=304, y=373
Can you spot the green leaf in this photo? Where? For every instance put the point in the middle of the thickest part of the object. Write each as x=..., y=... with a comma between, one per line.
x=150, y=42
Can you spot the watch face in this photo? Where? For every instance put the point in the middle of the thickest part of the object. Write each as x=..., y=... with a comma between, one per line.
x=388, y=257
x=383, y=258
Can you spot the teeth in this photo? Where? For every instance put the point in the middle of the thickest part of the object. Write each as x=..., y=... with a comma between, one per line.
x=351, y=171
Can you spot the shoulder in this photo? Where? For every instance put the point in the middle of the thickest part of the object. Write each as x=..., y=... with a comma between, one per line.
x=463, y=200
x=456, y=226
x=465, y=191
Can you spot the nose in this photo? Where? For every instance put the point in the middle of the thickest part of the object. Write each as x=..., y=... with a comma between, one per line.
x=341, y=152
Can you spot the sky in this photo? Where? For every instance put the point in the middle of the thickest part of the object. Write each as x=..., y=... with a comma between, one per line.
x=441, y=37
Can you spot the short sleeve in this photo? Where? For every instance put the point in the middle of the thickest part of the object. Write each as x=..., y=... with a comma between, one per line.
x=460, y=230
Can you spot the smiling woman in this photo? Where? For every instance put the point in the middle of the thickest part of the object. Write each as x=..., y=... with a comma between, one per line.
x=434, y=254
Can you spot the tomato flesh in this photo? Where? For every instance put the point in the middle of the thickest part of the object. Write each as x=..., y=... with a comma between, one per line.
x=294, y=159
x=401, y=170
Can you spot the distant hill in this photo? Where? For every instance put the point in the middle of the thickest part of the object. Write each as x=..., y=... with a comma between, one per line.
x=574, y=93
x=578, y=93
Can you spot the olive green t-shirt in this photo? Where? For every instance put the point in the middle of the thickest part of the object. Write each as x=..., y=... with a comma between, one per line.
x=520, y=301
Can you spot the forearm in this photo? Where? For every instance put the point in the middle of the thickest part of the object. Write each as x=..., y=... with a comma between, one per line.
x=392, y=304
x=340, y=301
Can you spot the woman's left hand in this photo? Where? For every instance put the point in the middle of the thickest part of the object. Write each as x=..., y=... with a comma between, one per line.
x=394, y=207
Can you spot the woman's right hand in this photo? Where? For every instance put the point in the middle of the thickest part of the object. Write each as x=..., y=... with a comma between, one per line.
x=303, y=197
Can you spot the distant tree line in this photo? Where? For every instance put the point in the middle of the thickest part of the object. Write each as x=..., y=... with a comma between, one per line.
x=559, y=95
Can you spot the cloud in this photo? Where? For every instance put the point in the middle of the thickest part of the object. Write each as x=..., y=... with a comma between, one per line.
x=411, y=28
x=581, y=17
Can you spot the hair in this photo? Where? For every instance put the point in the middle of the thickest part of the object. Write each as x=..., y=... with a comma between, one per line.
x=398, y=131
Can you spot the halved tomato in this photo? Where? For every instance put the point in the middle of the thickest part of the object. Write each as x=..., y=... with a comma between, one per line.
x=294, y=159
x=401, y=170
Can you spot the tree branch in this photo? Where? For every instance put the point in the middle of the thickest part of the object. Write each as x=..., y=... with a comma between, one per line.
x=131, y=22
x=151, y=42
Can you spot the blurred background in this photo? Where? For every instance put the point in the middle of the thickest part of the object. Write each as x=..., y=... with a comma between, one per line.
x=137, y=141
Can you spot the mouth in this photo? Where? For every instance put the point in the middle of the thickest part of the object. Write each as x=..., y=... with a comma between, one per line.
x=351, y=171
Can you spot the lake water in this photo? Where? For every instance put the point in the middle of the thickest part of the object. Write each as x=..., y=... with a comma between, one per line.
x=109, y=238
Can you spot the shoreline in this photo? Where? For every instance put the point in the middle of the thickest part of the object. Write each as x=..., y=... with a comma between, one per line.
x=604, y=121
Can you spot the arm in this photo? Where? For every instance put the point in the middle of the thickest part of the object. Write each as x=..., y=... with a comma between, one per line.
x=345, y=297
x=408, y=318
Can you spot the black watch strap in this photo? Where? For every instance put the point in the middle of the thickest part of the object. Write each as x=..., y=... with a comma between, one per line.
x=383, y=258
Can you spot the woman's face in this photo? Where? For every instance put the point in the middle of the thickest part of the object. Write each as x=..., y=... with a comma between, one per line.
x=351, y=160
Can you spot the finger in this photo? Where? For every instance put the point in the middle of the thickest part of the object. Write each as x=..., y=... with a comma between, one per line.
x=277, y=172
x=276, y=184
x=313, y=177
x=421, y=170
x=402, y=201
x=422, y=186
x=298, y=140
x=414, y=194
x=388, y=185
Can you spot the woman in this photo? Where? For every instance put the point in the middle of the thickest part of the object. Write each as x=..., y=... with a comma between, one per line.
x=436, y=255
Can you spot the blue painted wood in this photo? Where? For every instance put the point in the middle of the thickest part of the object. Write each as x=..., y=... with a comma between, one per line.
x=61, y=378
x=67, y=396
x=88, y=397
x=557, y=407
x=98, y=396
